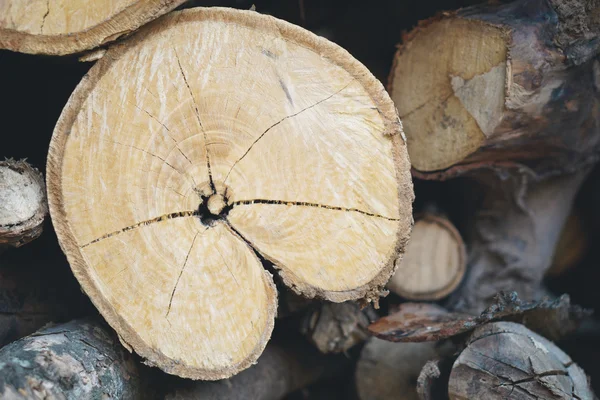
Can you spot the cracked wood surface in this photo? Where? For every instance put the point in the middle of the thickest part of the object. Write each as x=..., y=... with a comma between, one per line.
x=59, y=27
x=208, y=141
x=505, y=360
x=501, y=85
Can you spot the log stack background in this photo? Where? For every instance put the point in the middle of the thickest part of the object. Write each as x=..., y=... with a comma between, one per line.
x=317, y=346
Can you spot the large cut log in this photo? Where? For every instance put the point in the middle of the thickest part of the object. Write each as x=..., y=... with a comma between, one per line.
x=81, y=359
x=59, y=27
x=23, y=205
x=281, y=369
x=205, y=142
x=512, y=89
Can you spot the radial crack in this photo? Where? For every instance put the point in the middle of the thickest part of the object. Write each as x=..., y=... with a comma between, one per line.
x=180, y=273
x=308, y=204
x=174, y=215
x=279, y=122
x=45, y=15
x=207, y=154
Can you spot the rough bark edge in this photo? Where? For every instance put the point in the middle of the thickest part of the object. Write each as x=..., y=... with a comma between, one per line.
x=25, y=231
x=375, y=288
x=122, y=23
x=328, y=50
x=453, y=284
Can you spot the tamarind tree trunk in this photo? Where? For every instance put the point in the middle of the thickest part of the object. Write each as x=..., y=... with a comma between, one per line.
x=205, y=142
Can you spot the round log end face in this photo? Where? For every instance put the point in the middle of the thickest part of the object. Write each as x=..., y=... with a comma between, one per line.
x=210, y=140
x=23, y=204
x=507, y=360
x=434, y=262
x=448, y=82
x=58, y=27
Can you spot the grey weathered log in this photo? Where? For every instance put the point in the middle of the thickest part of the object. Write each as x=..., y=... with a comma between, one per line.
x=23, y=204
x=336, y=327
x=78, y=360
x=513, y=237
x=506, y=360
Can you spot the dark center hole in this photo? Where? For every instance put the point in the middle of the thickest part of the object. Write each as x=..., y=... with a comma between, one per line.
x=213, y=208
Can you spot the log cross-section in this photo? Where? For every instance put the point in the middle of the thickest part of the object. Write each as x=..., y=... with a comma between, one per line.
x=59, y=27
x=209, y=140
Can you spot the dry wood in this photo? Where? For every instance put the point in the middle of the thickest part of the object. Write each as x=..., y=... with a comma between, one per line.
x=419, y=322
x=506, y=360
x=61, y=27
x=513, y=237
x=79, y=360
x=389, y=370
x=281, y=369
x=513, y=84
x=208, y=138
x=511, y=88
x=23, y=205
x=335, y=328
x=434, y=261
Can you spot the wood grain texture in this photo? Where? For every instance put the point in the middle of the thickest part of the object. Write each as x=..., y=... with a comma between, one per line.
x=23, y=204
x=504, y=360
x=511, y=85
x=59, y=27
x=81, y=359
x=290, y=140
x=434, y=262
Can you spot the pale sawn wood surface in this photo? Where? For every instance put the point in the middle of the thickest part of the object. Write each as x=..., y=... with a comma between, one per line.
x=289, y=139
x=59, y=27
x=434, y=262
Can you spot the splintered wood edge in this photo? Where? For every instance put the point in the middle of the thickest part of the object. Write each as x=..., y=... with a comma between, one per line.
x=332, y=52
x=462, y=262
x=457, y=166
x=25, y=231
x=122, y=23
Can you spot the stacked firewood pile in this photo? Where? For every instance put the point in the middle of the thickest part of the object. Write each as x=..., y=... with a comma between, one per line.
x=299, y=199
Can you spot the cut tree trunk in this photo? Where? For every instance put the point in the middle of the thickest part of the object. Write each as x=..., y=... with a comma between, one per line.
x=509, y=85
x=506, y=360
x=281, y=369
x=59, y=27
x=434, y=262
x=23, y=205
x=513, y=237
x=81, y=359
x=512, y=88
x=210, y=140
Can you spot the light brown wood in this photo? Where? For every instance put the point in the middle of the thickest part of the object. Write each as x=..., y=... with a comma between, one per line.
x=497, y=86
x=434, y=262
x=206, y=110
x=23, y=204
x=59, y=27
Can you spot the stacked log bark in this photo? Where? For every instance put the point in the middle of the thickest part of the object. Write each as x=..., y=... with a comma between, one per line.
x=234, y=195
